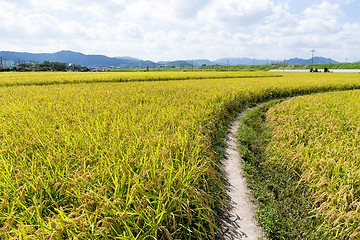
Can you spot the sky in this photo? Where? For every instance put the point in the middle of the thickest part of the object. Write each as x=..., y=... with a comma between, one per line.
x=184, y=29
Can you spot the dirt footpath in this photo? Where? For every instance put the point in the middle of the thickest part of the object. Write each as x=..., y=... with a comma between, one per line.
x=239, y=221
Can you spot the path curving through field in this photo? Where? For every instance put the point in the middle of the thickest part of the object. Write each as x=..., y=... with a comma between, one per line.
x=239, y=222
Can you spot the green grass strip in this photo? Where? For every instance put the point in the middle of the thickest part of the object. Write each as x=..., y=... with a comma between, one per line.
x=282, y=204
x=301, y=162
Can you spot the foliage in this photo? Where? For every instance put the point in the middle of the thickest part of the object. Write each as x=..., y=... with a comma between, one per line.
x=47, y=66
x=337, y=66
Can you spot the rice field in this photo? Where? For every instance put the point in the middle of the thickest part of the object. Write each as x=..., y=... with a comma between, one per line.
x=50, y=78
x=318, y=136
x=105, y=158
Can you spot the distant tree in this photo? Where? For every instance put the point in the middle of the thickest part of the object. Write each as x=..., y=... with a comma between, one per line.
x=48, y=66
x=24, y=67
x=59, y=66
x=45, y=66
x=81, y=68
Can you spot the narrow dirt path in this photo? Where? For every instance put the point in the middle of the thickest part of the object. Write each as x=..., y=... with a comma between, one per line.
x=239, y=222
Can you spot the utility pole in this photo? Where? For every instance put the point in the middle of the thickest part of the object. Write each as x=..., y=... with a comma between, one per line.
x=284, y=65
x=227, y=65
x=312, y=58
x=1, y=62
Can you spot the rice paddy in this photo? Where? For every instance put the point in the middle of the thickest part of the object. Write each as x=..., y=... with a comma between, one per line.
x=318, y=136
x=108, y=158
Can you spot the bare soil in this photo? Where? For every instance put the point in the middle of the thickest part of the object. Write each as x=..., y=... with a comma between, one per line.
x=239, y=221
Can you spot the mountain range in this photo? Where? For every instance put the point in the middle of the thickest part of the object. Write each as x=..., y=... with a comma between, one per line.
x=124, y=62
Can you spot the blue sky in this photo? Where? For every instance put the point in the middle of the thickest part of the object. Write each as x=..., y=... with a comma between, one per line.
x=184, y=29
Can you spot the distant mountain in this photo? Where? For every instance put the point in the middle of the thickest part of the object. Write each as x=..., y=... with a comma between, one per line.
x=76, y=58
x=177, y=63
x=241, y=61
x=185, y=63
x=249, y=61
x=201, y=62
x=123, y=62
x=297, y=61
x=316, y=60
x=128, y=58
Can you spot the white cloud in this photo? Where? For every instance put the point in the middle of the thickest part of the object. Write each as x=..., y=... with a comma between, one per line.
x=188, y=8
x=346, y=1
x=179, y=29
x=237, y=14
x=324, y=10
x=128, y=30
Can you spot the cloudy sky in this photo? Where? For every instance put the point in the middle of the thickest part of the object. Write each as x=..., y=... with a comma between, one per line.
x=184, y=29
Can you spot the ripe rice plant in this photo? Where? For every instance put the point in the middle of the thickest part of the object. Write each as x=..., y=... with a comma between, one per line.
x=128, y=160
x=318, y=137
x=50, y=78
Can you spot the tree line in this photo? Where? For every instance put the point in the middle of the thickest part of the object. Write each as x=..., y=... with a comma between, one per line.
x=46, y=66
